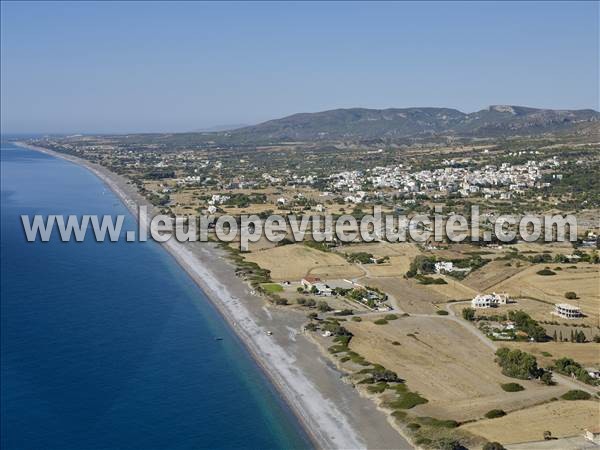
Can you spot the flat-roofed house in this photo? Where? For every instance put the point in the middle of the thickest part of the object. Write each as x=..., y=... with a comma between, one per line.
x=567, y=311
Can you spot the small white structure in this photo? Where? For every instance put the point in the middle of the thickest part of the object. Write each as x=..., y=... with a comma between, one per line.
x=492, y=300
x=323, y=289
x=567, y=311
x=444, y=266
x=593, y=435
x=593, y=372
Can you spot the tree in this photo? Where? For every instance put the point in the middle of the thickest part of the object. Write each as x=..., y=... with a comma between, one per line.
x=547, y=435
x=517, y=364
x=570, y=295
x=300, y=289
x=580, y=337
x=312, y=315
x=323, y=307
x=547, y=378
x=468, y=314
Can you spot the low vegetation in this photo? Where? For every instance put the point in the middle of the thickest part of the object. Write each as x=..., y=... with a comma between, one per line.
x=576, y=394
x=494, y=413
x=512, y=387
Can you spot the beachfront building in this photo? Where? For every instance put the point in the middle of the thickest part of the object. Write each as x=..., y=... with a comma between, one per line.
x=309, y=281
x=323, y=289
x=567, y=311
x=489, y=300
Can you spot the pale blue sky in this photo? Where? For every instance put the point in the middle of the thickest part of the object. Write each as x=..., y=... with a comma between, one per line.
x=133, y=67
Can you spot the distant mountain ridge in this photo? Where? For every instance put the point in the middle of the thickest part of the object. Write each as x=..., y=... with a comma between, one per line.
x=397, y=123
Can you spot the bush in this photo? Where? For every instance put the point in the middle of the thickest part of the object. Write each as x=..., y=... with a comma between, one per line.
x=570, y=295
x=493, y=446
x=437, y=423
x=390, y=317
x=441, y=312
x=395, y=343
x=408, y=400
x=280, y=301
x=576, y=394
x=380, y=322
x=512, y=387
x=546, y=272
x=356, y=319
x=495, y=413
x=413, y=426
x=468, y=314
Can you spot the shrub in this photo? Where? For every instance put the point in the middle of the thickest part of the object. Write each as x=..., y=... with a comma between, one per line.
x=408, y=400
x=441, y=312
x=437, y=423
x=380, y=322
x=356, y=319
x=468, y=314
x=570, y=295
x=492, y=414
x=512, y=387
x=281, y=301
x=413, y=426
x=391, y=317
x=377, y=388
x=546, y=272
x=576, y=394
x=395, y=343
x=493, y=446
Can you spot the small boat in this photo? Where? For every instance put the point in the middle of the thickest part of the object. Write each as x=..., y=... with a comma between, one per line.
x=218, y=339
x=269, y=333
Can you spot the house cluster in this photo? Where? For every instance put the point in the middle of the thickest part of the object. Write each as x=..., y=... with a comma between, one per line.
x=314, y=284
x=448, y=267
x=491, y=181
x=492, y=300
x=567, y=311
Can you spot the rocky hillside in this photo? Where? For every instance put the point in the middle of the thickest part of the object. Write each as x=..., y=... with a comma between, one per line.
x=394, y=123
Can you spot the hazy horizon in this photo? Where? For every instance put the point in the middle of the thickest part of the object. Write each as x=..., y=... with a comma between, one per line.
x=71, y=68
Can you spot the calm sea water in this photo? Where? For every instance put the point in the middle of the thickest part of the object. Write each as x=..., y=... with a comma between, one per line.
x=112, y=346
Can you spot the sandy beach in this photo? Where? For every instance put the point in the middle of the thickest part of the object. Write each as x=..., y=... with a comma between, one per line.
x=332, y=411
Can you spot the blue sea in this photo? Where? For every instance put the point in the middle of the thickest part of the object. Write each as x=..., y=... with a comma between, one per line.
x=112, y=345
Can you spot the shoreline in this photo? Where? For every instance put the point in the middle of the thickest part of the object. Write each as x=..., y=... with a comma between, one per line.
x=289, y=364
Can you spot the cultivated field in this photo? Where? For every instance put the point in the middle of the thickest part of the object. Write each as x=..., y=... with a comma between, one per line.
x=561, y=418
x=293, y=262
x=462, y=382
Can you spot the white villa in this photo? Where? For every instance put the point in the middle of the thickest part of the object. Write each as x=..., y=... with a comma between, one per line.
x=492, y=300
x=567, y=311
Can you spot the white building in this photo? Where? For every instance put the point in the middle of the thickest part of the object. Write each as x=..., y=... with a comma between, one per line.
x=444, y=266
x=489, y=300
x=567, y=311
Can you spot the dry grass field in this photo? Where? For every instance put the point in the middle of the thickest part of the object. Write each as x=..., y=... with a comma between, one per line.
x=491, y=274
x=462, y=380
x=561, y=418
x=587, y=354
x=410, y=296
x=584, y=280
x=293, y=262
